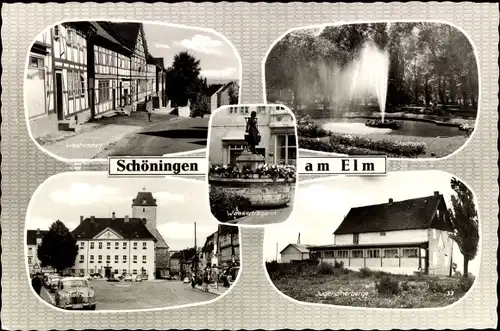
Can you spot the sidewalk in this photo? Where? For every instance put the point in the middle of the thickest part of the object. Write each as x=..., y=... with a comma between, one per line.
x=213, y=290
x=95, y=138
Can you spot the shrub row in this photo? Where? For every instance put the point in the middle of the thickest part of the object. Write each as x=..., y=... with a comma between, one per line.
x=400, y=148
x=325, y=146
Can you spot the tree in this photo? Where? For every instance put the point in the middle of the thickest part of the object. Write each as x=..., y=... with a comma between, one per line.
x=465, y=222
x=233, y=94
x=183, y=79
x=58, y=248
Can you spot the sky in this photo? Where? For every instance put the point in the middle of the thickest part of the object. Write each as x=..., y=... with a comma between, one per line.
x=180, y=204
x=320, y=207
x=218, y=60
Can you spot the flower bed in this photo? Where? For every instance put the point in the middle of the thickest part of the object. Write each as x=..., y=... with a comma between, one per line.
x=467, y=128
x=353, y=145
x=271, y=171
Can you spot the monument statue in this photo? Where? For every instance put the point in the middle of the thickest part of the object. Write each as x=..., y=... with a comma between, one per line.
x=252, y=135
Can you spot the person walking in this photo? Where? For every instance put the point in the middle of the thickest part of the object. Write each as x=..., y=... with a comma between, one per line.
x=37, y=283
x=149, y=108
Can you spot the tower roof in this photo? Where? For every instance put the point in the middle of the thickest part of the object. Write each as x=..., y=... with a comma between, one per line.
x=144, y=199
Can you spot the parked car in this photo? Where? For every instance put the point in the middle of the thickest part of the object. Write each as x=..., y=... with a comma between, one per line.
x=128, y=278
x=186, y=280
x=75, y=293
x=196, y=112
x=54, y=283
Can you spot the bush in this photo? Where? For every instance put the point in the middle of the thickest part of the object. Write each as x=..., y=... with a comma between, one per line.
x=365, y=272
x=388, y=286
x=339, y=265
x=325, y=268
x=226, y=207
x=465, y=283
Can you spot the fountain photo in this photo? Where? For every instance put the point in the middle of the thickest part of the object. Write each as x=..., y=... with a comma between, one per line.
x=252, y=164
x=402, y=89
x=371, y=242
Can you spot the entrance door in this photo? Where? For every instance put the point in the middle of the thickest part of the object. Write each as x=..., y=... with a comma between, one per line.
x=107, y=272
x=59, y=96
x=114, y=98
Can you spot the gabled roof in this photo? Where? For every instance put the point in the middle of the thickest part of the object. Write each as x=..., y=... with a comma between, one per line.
x=409, y=214
x=132, y=229
x=301, y=248
x=225, y=87
x=31, y=236
x=126, y=32
x=161, y=242
x=159, y=61
x=144, y=199
x=212, y=89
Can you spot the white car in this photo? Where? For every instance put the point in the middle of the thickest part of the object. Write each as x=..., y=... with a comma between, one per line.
x=128, y=278
x=186, y=280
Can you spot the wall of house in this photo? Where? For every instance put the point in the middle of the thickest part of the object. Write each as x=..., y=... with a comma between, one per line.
x=147, y=212
x=70, y=61
x=440, y=252
x=174, y=265
x=117, y=248
x=228, y=133
x=291, y=253
x=403, y=236
x=223, y=97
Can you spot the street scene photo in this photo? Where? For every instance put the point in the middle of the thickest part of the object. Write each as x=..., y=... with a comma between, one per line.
x=372, y=242
x=252, y=164
x=401, y=89
x=96, y=243
x=99, y=89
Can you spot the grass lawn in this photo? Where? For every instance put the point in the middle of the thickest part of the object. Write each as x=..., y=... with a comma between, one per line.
x=358, y=289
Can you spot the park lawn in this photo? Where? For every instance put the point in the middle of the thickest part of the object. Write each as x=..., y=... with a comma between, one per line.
x=350, y=289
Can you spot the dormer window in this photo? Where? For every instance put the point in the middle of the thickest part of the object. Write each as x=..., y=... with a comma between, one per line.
x=144, y=201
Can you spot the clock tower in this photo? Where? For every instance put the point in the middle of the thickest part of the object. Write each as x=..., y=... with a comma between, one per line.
x=144, y=206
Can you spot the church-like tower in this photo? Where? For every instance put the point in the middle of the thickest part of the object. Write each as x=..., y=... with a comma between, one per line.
x=144, y=206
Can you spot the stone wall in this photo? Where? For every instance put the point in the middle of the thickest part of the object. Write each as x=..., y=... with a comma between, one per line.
x=262, y=192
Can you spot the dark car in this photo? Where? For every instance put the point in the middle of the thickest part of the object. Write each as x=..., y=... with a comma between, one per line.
x=196, y=112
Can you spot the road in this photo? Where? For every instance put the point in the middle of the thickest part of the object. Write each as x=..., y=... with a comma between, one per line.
x=180, y=135
x=142, y=295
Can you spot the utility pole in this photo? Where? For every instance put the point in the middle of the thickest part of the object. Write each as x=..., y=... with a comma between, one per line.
x=195, y=252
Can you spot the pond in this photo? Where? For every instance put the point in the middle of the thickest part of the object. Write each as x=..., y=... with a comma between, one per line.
x=407, y=128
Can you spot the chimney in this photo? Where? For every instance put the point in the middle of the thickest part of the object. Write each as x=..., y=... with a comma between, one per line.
x=436, y=193
x=81, y=218
x=125, y=219
x=113, y=215
x=37, y=232
x=92, y=219
x=391, y=201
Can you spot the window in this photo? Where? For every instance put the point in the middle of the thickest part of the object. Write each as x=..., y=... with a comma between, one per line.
x=35, y=62
x=82, y=245
x=244, y=110
x=382, y=234
x=134, y=271
x=116, y=259
x=261, y=109
x=124, y=271
x=357, y=254
x=135, y=259
x=117, y=245
x=104, y=91
x=144, y=258
x=91, y=258
x=341, y=254
x=410, y=252
x=100, y=245
x=135, y=245
x=108, y=258
x=81, y=258
x=328, y=255
x=30, y=259
x=124, y=258
x=355, y=238
x=108, y=245
x=30, y=250
x=91, y=271
x=143, y=210
x=91, y=245
x=390, y=253
x=372, y=253
x=124, y=245
x=100, y=258
x=144, y=245
x=233, y=110
x=286, y=149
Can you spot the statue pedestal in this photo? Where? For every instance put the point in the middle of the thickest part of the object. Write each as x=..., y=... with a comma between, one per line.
x=249, y=159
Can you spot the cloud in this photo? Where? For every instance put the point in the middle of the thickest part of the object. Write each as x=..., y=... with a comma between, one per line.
x=185, y=231
x=43, y=223
x=202, y=44
x=87, y=194
x=163, y=197
x=158, y=45
x=221, y=73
